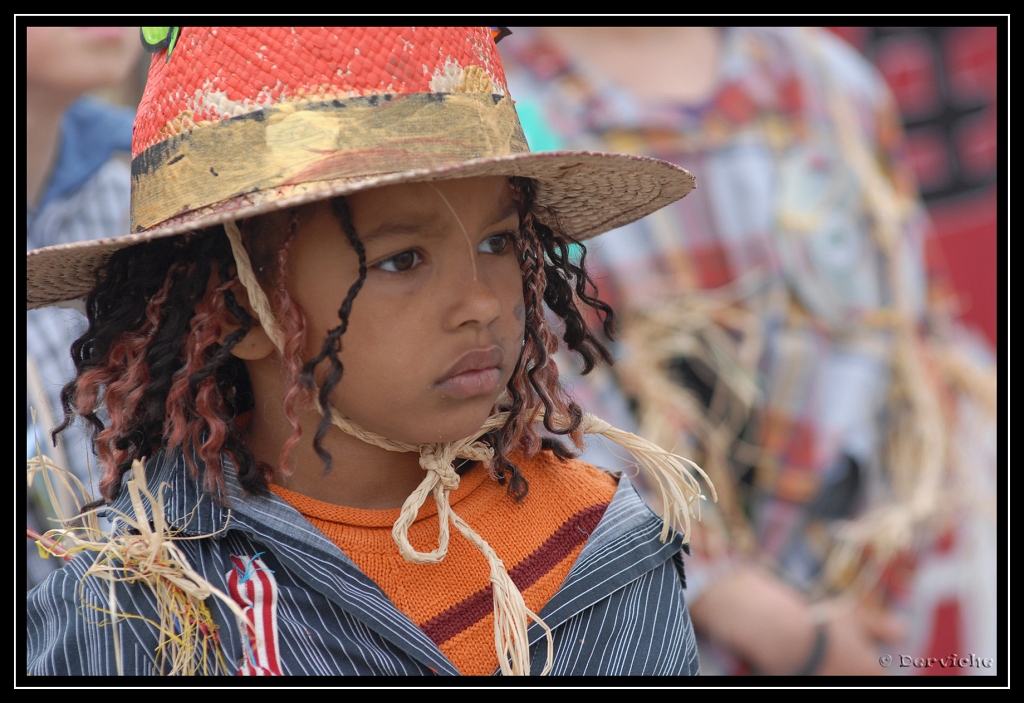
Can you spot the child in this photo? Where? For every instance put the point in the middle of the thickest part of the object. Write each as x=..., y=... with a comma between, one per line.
x=332, y=307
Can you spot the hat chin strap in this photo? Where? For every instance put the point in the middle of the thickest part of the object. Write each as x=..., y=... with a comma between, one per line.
x=678, y=490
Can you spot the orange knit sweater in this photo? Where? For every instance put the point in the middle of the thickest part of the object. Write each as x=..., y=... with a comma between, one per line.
x=538, y=539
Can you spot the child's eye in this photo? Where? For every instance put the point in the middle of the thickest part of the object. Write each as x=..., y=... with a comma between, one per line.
x=496, y=243
x=403, y=261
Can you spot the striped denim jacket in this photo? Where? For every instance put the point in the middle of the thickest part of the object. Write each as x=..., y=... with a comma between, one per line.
x=620, y=611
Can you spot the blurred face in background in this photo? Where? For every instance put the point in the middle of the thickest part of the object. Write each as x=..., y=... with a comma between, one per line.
x=64, y=62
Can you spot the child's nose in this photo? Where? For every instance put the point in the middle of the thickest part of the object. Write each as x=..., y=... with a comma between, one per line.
x=473, y=300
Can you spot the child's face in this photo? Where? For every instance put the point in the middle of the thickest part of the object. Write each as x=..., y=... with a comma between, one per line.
x=437, y=328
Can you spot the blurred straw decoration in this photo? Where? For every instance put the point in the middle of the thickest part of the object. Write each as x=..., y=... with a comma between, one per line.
x=722, y=341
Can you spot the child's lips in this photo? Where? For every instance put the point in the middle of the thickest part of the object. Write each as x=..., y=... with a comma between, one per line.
x=477, y=372
x=471, y=383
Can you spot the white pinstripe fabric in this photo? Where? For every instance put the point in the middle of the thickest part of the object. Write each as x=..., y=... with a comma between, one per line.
x=620, y=611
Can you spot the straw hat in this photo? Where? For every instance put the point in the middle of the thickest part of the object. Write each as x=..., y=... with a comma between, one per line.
x=236, y=122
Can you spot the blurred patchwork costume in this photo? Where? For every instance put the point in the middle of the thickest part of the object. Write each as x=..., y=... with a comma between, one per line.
x=778, y=323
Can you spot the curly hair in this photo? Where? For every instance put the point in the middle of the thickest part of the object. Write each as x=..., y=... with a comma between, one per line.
x=151, y=357
x=549, y=277
x=151, y=360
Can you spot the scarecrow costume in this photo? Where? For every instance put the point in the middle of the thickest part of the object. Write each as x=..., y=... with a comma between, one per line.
x=579, y=577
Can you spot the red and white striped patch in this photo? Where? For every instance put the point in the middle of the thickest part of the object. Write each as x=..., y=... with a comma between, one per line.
x=253, y=586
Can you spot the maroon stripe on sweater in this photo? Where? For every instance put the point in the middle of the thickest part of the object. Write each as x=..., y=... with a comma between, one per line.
x=572, y=533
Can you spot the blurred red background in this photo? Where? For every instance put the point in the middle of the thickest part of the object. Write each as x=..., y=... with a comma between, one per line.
x=945, y=81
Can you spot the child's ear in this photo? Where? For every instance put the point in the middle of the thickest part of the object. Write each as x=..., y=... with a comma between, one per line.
x=256, y=344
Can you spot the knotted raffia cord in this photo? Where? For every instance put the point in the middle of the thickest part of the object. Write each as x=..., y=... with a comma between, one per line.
x=678, y=490
x=144, y=554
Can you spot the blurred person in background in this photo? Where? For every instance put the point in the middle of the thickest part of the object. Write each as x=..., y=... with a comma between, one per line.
x=77, y=188
x=779, y=324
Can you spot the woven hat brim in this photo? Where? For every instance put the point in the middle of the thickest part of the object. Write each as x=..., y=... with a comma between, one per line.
x=588, y=192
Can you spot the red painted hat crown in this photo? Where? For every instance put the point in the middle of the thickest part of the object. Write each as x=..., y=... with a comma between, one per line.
x=215, y=73
x=235, y=118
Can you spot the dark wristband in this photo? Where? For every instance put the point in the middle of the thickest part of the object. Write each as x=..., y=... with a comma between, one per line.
x=817, y=656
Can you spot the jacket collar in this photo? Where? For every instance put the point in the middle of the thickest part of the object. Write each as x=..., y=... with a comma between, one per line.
x=299, y=547
x=625, y=545
x=189, y=510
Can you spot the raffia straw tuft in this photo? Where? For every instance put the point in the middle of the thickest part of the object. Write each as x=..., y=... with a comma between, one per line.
x=47, y=547
x=678, y=489
x=188, y=640
x=42, y=466
x=187, y=630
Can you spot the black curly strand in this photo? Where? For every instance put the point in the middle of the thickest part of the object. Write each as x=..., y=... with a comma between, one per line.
x=549, y=275
x=332, y=343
